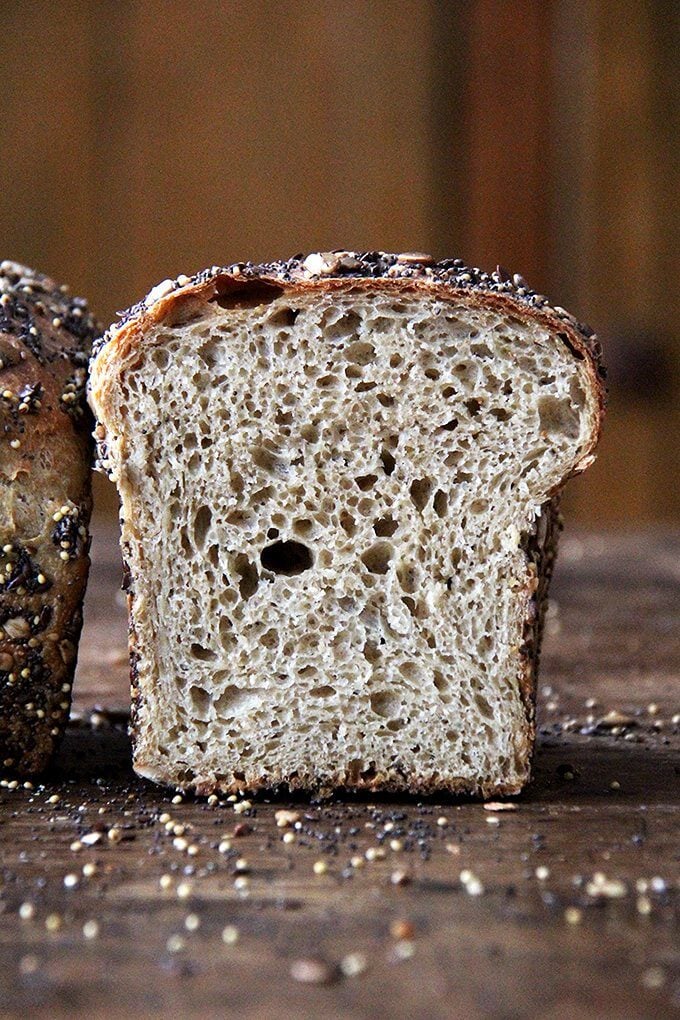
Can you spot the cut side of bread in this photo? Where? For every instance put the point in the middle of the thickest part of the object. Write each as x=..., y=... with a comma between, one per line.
x=45, y=475
x=339, y=481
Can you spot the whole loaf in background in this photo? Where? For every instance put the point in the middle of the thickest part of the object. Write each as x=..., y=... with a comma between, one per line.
x=45, y=502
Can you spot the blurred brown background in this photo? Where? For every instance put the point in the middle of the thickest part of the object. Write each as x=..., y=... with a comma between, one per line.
x=141, y=140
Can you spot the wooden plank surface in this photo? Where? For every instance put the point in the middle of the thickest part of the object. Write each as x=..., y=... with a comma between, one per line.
x=532, y=932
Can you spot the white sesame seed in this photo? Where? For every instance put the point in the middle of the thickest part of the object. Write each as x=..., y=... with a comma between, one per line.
x=320, y=867
x=353, y=964
x=288, y=837
x=164, y=818
x=241, y=882
x=396, y=845
x=192, y=850
x=71, y=881
x=114, y=835
x=542, y=873
x=91, y=838
x=180, y=843
x=213, y=799
x=657, y=884
x=26, y=911
x=15, y=444
x=357, y=862
x=91, y=929
x=442, y=821
x=165, y=881
x=53, y=922
x=573, y=915
x=230, y=935
x=615, y=785
x=643, y=905
x=178, y=830
x=192, y=922
x=175, y=944
x=177, y=799
x=76, y=845
x=493, y=820
x=54, y=799
x=183, y=891
x=404, y=949
x=653, y=978
x=89, y=869
x=225, y=846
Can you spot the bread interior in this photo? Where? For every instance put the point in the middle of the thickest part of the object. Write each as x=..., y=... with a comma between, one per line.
x=325, y=502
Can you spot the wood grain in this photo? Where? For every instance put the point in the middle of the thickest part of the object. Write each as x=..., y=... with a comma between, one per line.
x=509, y=952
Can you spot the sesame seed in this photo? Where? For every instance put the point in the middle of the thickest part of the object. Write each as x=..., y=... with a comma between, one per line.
x=288, y=837
x=402, y=929
x=400, y=877
x=175, y=944
x=213, y=799
x=53, y=922
x=91, y=838
x=353, y=964
x=89, y=869
x=114, y=835
x=230, y=935
x=164, y=818
x=71, y=881
x=653, y=978
x=225, y=846
x=542, y=873
x=91, y=929
x=76, y=845
x=28, y=964
x=573, y=915
x=183, y=891
x=404, y=950
x=54, y=799
x=312, y=971
x=192, y=922
x=643, y=905
x=657, y=884
x=241, y=882
x=15, y=444
x=286, y=818
x=165, y=881
x=442, y=821
x=26, y=911
x=320, y=867
x=177, y=799
x=396, y=845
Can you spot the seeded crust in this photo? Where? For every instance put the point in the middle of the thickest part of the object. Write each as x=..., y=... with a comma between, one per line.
x=175, y=303
x=45, y=502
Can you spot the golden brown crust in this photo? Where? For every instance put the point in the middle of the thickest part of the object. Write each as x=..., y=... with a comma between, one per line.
x=45, y=503
x=243, y=284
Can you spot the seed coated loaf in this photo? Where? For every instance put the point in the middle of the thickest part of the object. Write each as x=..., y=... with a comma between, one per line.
x=45, y=501
x=339, y=480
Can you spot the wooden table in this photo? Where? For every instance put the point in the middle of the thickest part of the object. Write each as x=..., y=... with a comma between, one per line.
x=569, y=910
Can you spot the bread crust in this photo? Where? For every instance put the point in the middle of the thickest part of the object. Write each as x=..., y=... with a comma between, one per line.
x=174, y=302
x=45, y=503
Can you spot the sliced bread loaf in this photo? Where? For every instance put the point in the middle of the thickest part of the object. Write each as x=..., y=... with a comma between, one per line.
x=339, y=479
x=45, y=341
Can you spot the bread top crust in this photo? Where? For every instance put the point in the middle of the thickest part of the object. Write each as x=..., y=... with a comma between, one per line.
x=243, y=283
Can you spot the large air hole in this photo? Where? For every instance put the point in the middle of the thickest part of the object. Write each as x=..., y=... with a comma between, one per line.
x=388, y=462
x=360, y=352
x=377, y=558
x=420, y=490
x=558, y=417
x=202, y=522
x=288, y=558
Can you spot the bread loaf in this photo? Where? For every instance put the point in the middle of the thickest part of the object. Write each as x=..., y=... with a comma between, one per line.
x=339, y=479
x=45, y=341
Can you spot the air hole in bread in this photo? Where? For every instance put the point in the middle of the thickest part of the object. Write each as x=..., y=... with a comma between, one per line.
x=377, y=558
x=420, y=490
x=287, y=558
